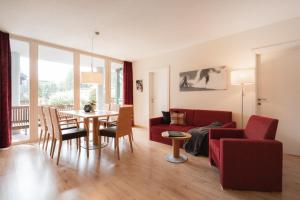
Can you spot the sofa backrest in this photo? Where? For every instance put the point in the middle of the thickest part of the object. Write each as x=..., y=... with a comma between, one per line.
x=204, y=117
x=259, y=127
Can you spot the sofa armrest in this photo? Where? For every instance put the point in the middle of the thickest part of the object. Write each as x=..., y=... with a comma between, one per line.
x=154, y=121
x=229, y=125
x=218, y=133
x=251, y=164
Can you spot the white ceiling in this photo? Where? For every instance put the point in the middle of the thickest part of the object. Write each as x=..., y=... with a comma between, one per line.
x=134, y=29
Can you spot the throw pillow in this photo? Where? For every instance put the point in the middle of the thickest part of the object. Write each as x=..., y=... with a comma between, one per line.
x=166, y=117
x=178, y=118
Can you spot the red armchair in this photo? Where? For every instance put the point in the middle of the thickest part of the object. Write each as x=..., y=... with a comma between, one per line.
x=250, y=158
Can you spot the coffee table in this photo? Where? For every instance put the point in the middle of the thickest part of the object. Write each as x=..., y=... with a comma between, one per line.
x=175, y=157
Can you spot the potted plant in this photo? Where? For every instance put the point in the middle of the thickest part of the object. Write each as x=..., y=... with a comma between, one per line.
x=90, y=107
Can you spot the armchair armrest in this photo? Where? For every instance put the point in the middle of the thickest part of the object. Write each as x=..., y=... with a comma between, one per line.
x=251, y=164
x=218, y=133
x=229, y=125
x=154, y=121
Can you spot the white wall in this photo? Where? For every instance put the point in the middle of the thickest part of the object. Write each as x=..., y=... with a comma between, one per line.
x=234, y=51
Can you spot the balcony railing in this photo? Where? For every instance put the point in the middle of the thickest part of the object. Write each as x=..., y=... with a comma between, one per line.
x=20, y=115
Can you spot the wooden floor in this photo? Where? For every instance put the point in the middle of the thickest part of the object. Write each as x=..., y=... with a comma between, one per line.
x=27, y=172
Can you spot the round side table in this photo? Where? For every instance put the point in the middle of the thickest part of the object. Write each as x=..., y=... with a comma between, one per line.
x=175, y=157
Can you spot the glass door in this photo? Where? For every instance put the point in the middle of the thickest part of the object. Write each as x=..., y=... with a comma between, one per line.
x=55, y=77
x=116, y=83
x=20, y=90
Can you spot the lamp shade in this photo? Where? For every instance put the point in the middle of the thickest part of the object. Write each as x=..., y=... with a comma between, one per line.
x=91, y=77
x=242, y=76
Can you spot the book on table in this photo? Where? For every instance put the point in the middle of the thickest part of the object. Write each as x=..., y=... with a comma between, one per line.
x=175, y=134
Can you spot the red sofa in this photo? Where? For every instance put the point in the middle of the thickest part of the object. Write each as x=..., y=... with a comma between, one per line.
x=194, y=118
x=250, y=158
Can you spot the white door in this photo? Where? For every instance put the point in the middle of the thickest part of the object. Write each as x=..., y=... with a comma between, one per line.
x=158, y=92
x=279, y=95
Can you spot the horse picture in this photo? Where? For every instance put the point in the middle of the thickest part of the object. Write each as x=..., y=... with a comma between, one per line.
x=212, y=78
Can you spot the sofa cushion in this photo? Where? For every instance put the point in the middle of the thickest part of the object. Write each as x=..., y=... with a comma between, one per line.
x=206, y=117
x=189, y=114
x=166, y=117
x=215, y=150
x=178, y=118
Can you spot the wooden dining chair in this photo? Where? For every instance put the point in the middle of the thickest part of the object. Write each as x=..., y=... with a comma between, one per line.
x=67, y=134
x=123, y=128
x=43, y=126
x=64, y=125
x=112, y=120
x=132, y=116
x=49, y=125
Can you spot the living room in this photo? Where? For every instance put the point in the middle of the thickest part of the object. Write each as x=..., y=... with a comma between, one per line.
x=149, y=99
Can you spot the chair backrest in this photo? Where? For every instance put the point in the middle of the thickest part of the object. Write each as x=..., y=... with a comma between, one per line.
x=64, y=108
x=259, y=127
x=48, y=120
x=107, y=106
x=132, y=114
x=114, y=107
x=55, y=122
x=41, y=117
x=124, y=123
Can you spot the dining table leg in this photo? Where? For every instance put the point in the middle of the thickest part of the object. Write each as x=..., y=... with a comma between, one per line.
x=95, y=131
x=86, y=122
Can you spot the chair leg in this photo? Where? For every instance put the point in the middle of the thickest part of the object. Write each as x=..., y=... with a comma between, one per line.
x=41, y=135
x=117, y=147
x=44, y=139
x=130, y=141
x=53, y=149
x=47, y=141
x=79, y=144
x=87, y=146
x=131, y=135
x=59, y=149
x=100, y=145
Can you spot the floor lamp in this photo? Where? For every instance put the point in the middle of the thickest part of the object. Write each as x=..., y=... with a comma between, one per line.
x=242, y=77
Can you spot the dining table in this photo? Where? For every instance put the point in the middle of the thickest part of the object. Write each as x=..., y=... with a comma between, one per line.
x=94, y=116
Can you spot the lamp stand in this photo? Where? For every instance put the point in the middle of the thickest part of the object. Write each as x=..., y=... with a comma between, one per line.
x=242, y=117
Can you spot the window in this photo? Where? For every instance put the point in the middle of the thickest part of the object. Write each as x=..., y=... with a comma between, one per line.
x=116, y=83
x=92, y=92
x=20, y=90
x=55, y=77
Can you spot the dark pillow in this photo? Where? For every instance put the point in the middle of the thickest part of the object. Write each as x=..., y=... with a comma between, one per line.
x=166, y=117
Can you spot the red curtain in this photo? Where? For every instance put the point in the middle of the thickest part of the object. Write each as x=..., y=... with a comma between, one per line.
x=128, y=83
x=5, y=91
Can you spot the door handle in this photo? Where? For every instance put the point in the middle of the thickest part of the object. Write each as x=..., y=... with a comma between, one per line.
x=261, y=99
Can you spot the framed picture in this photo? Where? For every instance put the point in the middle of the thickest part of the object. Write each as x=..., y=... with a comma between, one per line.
x=139, y=85
x=213, y=78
